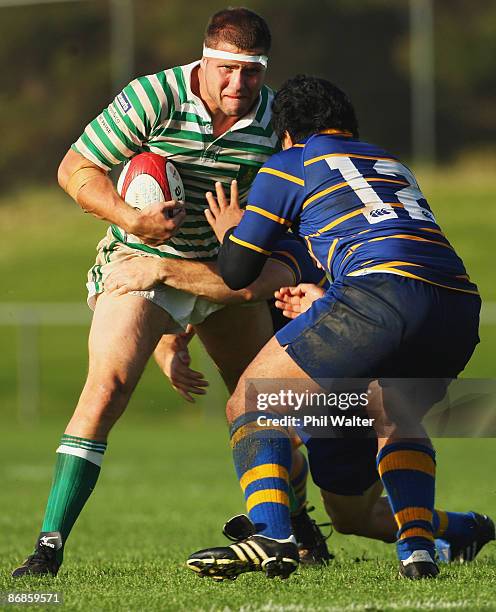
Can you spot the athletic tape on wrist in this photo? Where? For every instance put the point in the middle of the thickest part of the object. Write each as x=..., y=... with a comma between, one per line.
x=239, y=57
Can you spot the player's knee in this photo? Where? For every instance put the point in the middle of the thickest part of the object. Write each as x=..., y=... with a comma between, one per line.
x=345, y=524
x=343, y=521
x=235, y=406
x=107, y=398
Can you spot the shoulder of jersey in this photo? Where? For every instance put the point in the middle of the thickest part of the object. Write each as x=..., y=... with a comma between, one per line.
x=322, y=144
x=286, y=161
x=285, y=164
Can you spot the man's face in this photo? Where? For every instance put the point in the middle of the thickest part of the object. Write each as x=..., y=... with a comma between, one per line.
x=233, y=86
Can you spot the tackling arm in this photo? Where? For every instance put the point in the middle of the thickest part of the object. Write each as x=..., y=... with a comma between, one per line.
x=198, y=278
x=248, y=237
x=203, y=279
x=238, y=265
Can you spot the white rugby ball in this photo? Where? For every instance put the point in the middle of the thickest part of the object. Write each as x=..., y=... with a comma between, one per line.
x=149, y=178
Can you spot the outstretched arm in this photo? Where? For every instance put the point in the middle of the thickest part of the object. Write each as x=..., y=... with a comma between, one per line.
x=203, y=279
x=196, y=277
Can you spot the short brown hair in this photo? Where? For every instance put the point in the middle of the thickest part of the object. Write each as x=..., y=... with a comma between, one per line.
x=240, y=27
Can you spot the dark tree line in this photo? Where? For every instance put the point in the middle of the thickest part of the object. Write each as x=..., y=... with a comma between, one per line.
x=56, y=67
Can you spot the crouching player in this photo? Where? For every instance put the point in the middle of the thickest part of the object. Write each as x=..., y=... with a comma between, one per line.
x=401, y=305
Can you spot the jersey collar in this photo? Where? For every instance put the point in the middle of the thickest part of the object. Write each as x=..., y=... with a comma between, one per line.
x=334, y=132
x=329, y=132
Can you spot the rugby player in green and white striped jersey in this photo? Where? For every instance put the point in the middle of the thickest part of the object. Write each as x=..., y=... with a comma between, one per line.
x=162, y=113
x=212, y=118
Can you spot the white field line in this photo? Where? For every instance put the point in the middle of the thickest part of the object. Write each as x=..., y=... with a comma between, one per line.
x=405, y=604
x=488, y=314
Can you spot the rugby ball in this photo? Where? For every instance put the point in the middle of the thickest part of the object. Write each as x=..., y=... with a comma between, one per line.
x=149, y=178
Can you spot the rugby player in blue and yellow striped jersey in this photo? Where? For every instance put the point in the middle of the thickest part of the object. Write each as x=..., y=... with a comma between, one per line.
x=400, y=306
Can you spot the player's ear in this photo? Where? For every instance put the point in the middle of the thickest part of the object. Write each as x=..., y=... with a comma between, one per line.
x=287, y=141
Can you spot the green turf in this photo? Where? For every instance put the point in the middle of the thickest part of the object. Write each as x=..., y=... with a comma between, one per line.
x=166, y=487
x=168, y=483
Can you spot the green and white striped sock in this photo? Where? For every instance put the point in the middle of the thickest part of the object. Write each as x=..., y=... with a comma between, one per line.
x=76, y=472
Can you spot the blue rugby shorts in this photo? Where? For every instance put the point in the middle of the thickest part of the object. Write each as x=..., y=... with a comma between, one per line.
x=384, y=325
x=377, y=326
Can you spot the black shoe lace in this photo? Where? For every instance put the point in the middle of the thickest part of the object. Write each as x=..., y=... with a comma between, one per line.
x=39, y=556
x=307, y=529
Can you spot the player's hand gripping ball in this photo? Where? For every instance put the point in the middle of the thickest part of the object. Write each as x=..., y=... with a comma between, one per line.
x=147, y=179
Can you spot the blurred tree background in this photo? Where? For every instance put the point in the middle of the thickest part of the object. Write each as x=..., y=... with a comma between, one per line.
x=56, y=72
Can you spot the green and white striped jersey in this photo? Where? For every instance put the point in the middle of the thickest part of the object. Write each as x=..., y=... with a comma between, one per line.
x=161, y=114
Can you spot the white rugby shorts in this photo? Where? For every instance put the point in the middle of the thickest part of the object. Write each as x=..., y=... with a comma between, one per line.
x=183, y=307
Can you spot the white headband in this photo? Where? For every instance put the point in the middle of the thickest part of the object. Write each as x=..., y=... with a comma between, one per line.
x=217, y=54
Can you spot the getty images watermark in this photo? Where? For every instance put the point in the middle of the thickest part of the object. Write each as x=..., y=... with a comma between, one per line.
x=332, y=408
x=291, y=400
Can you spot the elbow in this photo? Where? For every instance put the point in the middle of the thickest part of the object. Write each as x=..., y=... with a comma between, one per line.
x=248, y=295
x=236, y=276
x=238, y=266
x=67, y=166
x=62, y=174
x=233, y=272
x=240, y=278
x=235, y=281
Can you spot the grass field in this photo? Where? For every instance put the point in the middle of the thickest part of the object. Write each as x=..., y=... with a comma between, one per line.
x=167, y=483
x=165, y=489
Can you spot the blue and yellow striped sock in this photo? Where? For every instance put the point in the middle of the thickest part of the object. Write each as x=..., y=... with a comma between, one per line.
x=407, y=471
x=298, y=491
x=262, y=457
x=456, y=527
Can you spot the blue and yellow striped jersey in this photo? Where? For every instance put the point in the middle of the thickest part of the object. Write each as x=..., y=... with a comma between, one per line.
x=358, y=208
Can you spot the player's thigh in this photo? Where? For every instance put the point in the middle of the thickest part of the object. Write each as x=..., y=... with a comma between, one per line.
x=349, y=513
x=344, y=464
x=234, y=335
x=273, y=363
x=124, y=333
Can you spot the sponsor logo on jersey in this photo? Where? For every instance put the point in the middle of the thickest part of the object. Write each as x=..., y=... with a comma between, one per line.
x=379, y=213
x=106, y=127
x=428, y=215
x=123, y=102
x=115, y=115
